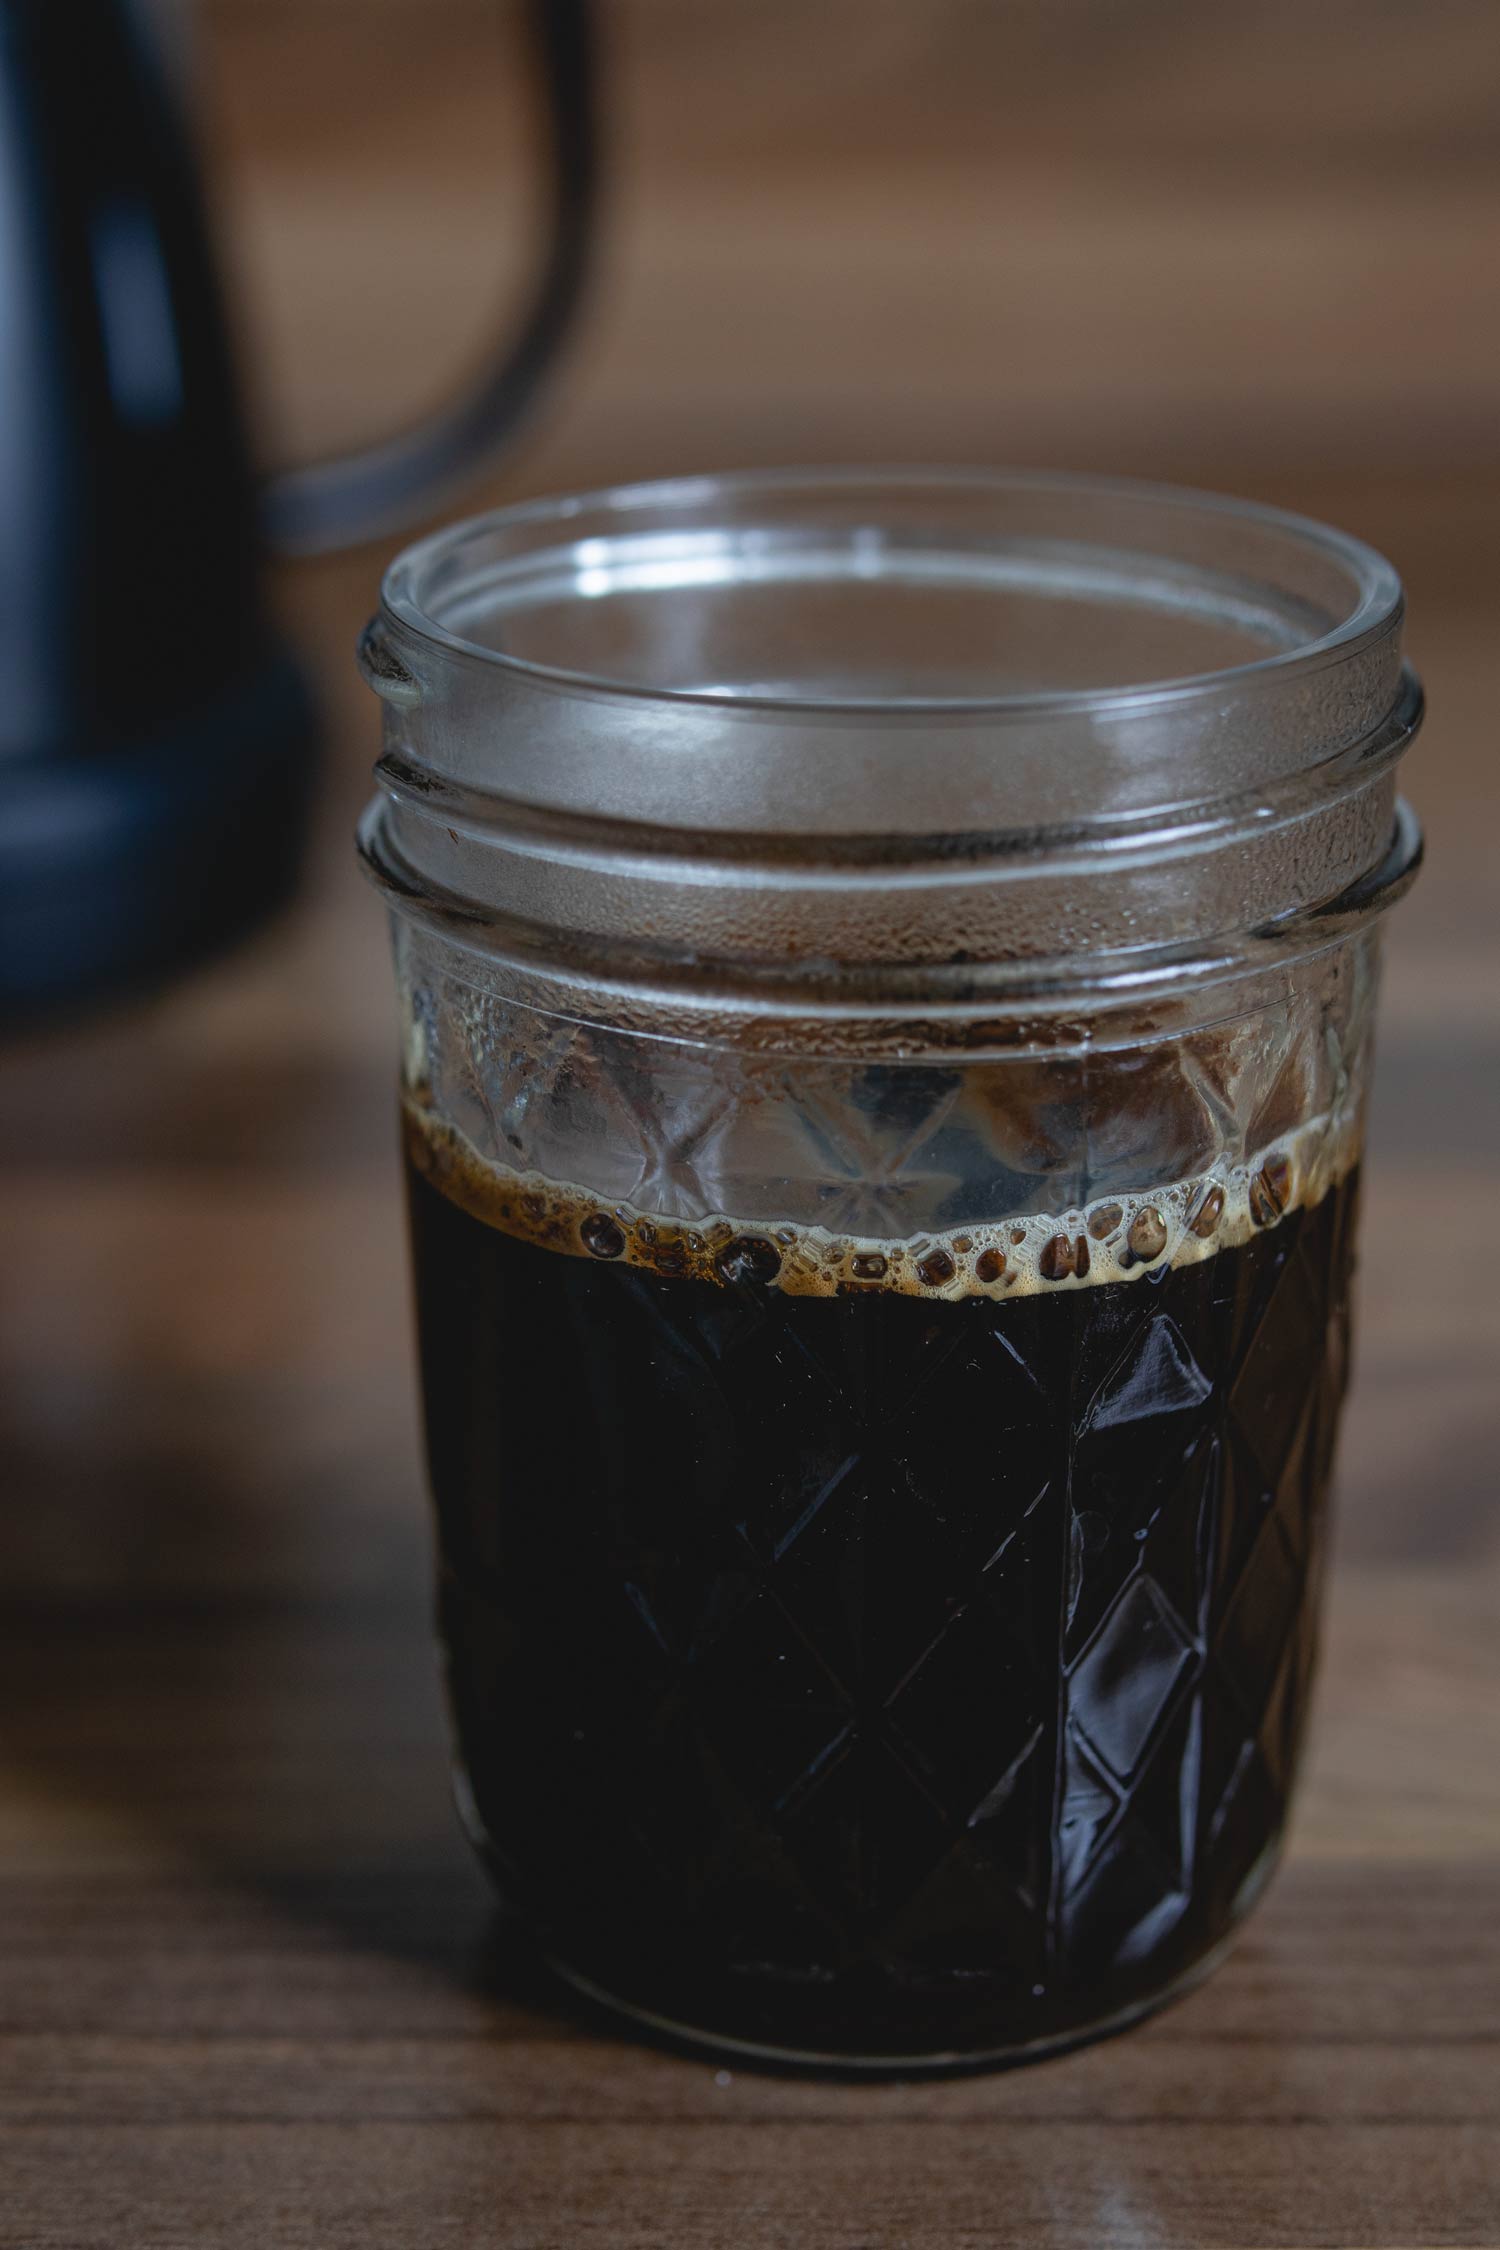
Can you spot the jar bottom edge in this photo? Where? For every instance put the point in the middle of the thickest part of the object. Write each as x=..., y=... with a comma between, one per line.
x=702, y=2041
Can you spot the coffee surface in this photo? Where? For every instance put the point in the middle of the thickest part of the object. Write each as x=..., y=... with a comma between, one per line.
x=1179, y=1222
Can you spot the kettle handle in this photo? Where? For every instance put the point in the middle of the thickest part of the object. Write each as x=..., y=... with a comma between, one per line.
x=363, y=495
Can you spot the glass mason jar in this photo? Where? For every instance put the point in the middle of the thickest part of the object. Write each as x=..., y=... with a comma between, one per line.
x=886, y=965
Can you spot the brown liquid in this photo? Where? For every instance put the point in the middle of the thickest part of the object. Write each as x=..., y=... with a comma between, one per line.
x=870, y=1678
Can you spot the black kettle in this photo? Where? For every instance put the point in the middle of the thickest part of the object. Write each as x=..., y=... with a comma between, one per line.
x=157, y=739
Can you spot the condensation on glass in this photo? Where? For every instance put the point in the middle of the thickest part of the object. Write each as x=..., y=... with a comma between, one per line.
x=886, y=967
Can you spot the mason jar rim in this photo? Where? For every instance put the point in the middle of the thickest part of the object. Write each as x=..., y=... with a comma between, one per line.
x=741, y=812
x=410, y=583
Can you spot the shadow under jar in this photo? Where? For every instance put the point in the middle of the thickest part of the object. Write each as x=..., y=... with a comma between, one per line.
x=886, y=965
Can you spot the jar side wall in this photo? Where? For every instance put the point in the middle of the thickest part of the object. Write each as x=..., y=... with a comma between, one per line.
x=871, y=1154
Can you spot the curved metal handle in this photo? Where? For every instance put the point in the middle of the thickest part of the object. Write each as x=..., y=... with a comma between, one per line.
x=362, y=495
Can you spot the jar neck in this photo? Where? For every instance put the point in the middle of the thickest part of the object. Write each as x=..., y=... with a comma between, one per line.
x=746, y=858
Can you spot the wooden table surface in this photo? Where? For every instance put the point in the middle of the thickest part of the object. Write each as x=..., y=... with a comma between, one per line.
x=252, y=1990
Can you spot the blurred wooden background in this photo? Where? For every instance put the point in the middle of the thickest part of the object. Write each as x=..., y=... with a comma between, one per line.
x=250, y=1987
x=1139, y=235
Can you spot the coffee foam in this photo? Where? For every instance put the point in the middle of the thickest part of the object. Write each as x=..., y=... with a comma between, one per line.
x=1115, y=1239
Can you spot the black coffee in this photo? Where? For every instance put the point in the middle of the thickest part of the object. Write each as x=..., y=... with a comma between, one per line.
x=868, y=1675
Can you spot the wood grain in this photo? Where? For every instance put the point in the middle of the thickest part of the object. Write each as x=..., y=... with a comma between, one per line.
x=252, y=1991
